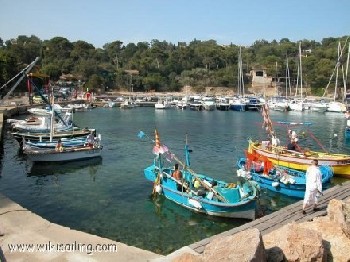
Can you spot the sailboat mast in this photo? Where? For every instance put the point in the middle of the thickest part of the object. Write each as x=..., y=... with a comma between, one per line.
x=346, y=71
x=241, y=90
x=336, y=74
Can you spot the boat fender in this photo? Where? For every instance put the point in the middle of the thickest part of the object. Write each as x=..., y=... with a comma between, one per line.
x=240, y=173
x=275, y=184
x=158, y=189
x=194, y=203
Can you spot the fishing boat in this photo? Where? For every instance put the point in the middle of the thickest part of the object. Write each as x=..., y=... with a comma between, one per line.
x=91, y=149
x=43, y=124
x=199, y=192
x=289, y=182
x=300, y=160
x=35, y=154
x=45, y=153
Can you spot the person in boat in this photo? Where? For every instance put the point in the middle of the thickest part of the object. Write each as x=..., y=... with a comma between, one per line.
x=90, y=139
x=293, y=145
x=59, y=146
x=177, y=174
x=313, y=186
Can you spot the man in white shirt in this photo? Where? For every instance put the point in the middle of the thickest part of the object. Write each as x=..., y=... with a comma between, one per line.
x=313, y=185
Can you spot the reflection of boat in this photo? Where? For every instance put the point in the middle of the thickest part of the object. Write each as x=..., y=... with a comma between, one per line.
x=280, y=179
x=54, y=168
x=199, y=192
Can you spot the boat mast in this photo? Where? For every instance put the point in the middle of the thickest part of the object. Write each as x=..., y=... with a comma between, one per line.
x=288, y=80
x=240, y=79
x=301, y=72
x=346, y=72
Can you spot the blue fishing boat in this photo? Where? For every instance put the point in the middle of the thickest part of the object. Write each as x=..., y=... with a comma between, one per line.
x=280, y=179
x=199, y=192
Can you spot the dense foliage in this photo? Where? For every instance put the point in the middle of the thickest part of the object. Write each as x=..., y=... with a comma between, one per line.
x=163, y=66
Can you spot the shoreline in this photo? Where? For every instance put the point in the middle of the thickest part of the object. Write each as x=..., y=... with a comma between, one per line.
x=46, y=241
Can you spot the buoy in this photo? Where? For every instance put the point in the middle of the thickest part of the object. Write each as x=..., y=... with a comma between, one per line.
x=158, y=189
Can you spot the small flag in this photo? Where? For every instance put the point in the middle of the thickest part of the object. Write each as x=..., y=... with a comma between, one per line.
x=157, y=138
x=141, y=134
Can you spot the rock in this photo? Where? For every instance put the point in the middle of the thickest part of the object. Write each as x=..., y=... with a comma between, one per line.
x=187, y=257
x=295, y=243
x=243, y=246
x=339, y=213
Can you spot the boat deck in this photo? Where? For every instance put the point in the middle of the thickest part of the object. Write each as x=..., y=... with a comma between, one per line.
x=288, y=214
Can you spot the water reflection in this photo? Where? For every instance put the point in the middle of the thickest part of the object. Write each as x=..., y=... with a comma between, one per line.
x=64, y=168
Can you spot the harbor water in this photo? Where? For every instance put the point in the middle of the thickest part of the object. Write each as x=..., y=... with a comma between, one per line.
x=111, y=198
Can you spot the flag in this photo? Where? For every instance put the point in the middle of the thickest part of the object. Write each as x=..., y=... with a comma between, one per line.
x=158, y=148
x=157, y=140
x=141, y=134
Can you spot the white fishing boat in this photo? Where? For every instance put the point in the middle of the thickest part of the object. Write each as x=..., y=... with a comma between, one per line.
x=127, y=104
x=43, y=124
x=162, y=104
x=66, y=154
x=208, y=103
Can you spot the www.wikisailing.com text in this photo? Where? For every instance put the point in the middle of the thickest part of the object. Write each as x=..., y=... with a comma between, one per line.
x=61, y=247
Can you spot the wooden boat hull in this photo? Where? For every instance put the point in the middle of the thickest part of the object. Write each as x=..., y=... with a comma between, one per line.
x=340, y=163
x=244, y=209
x=70, y=154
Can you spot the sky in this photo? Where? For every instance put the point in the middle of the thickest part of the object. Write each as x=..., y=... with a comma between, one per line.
x=131, y=21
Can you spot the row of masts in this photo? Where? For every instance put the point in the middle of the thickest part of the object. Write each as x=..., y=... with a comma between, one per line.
x=339, y=66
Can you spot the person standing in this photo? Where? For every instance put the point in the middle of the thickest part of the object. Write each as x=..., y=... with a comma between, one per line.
x=313, y=186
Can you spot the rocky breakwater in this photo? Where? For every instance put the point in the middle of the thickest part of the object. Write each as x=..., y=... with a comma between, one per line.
x=325, y=238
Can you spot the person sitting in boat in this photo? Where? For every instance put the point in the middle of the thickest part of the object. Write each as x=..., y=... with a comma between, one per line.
x=177, y=174
x=293, y=145
x=90, y=139
x=59, y=146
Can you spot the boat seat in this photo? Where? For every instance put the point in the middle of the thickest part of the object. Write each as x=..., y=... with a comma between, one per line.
x=230, y=194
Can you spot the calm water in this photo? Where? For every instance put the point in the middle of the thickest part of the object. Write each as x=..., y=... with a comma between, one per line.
x=110, y=197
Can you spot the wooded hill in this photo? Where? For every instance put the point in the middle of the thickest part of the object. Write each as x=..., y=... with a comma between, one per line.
x=163, y=66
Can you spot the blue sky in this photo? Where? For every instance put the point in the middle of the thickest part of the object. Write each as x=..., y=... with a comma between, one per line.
x=226, y=21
